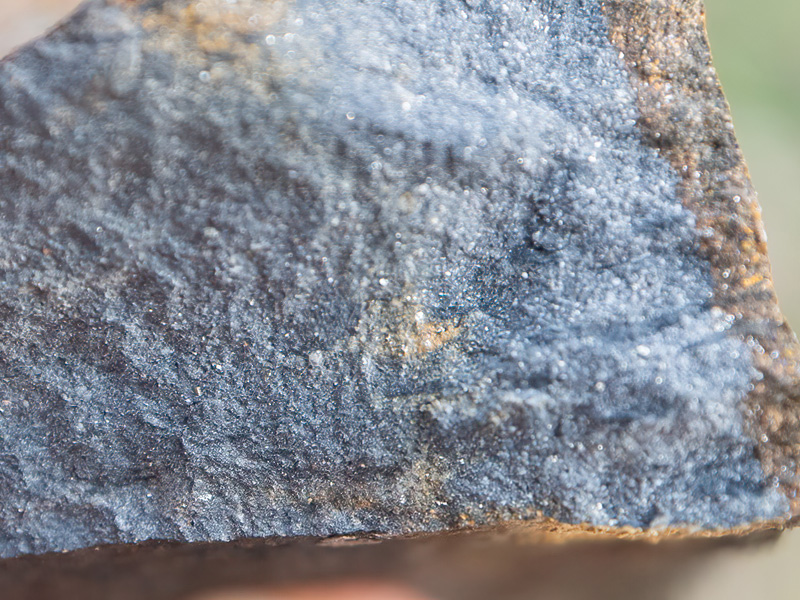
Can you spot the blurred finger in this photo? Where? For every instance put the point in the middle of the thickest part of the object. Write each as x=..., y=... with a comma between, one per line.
x=329, y=591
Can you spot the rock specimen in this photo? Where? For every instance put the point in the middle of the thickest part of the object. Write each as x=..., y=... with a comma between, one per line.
x=276, y=268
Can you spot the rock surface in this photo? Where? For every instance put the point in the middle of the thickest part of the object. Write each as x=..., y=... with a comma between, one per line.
x=312, y=269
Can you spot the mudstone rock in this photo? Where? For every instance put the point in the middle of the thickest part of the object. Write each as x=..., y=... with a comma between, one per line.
x=315, y=268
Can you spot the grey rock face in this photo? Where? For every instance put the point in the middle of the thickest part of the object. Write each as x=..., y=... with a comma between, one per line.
x=326, y=268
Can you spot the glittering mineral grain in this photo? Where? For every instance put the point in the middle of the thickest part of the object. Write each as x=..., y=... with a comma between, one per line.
x=277, y=268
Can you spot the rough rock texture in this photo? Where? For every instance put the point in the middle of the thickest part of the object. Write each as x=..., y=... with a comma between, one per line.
x=684, y=114
x=278, y=268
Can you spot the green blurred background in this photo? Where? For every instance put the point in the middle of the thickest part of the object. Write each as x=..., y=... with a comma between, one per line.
x=757, y=54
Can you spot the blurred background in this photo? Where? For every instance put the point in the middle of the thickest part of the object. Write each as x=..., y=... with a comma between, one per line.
x=757, y=55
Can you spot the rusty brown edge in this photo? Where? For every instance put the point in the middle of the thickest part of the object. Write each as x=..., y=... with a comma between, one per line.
x=508, y=532
x=685, y=116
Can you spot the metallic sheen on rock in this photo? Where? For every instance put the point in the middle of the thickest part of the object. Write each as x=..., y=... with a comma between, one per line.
x=278, y=268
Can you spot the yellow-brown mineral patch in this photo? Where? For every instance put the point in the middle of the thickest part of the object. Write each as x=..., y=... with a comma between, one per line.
x=401, y=328
x=199, y=31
